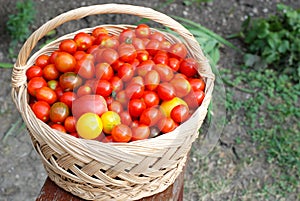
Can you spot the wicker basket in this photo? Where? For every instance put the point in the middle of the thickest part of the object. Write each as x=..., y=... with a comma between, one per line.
x=114, y=171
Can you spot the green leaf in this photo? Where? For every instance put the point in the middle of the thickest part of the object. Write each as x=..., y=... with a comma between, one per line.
x=251, y=59
x=6, y=65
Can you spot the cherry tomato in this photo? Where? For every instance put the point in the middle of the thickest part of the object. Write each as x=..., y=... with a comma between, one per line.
x=52, y=57
x=127, y=52
x=167, y=106
x=126, y=36
x=68, y=98
x=110, y=119
x=164, y=71
x=85, y=67
x=110, y=42
x=154, y=131
x=59, y=111
x=108, y=55
x=194, y=99
x=34, y=71
x=150, y=116
x=126, y=72
x=136, y=107
x=134, y=91
x=150, y=98
x=107, y=139
x=153, y=46
x=50, y=72
x=165, y=91
x=83, y=90
x=52, y=84
x=122, y=98
x=178, y=50
x=142, y=31
x=157, y=36
x=69, y=81
x=174, y=64
x=34, y=84
x=83, y=41
x=42, y=60
x=59, y=91
x=79, y=55
x=115, y=106
x=99, y=30
x=121, y=133
x=165, y=45
x=74, y=134
x=140, y=132
x=65, y=62
x=144, y=67
x=125, y=118
x=46, y=94
x=197, y=84
x=189, y=67
x=58, y=127
x=104, y=71
x=68, y=45
x=41, y=109
x=161, y=57
x=136, y=80
x=182, y=86
x=142, y=55
x=103, y=88
x=166, y=124
x=89, y=126
x=117, y=84
x=138, y=44
x=70, y=124
x=89, y=103
x=152, y=80
x=180, y=113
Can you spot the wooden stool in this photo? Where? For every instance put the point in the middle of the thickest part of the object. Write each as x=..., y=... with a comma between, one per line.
x=50, y=191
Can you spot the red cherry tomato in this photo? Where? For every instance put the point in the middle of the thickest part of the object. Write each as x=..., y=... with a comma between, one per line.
x=99, y=30
x=144, y=67
x=127, y=52
x=85, y=67
x=122, y=98
x=83, y=90
x=197, y=84
x=134, y=91
x=138, y=44
x=164, y=71
x=125, y=118
x=194, y=99
x=165, y=45
x=58, y=127
x=41, y=109
x=50, y=72
x=142, y=55
x=79, y=55
x=178, y=50
x=161, y=57
x=126, y=36
x=34, y=84
x=136, y=80
x=157, y=36
x=174, y=64
x=110, y=42
x=65, y=62
x=165, y=91
x=117, y=84
x=46, y=94
x=52, y=57
x=153, y=46
x=150, y=116
x=152, y=80
x=103, y=88
x=68, y=98
x=115, y=106
x=140, y=132
x=42, y=61
x=107, y=139
x=59, y=111
x=121, y=133
x=150, y=98
x=167, y=124
x=180, y=113
x=182, y=86
x=70, y=124
x=34, y=71
x=83, y=41
x=136, y=107
x=142, y=31
x=69, y=81
x=189, y=67
x=107, y=55
x=68, y=45
x=75, y=134
x=126, y=72
x=104, y=71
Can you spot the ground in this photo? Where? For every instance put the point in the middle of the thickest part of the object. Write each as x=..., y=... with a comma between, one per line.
x=231, y=171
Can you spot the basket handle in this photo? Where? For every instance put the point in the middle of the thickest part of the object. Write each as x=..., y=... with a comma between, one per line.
x=20, y=65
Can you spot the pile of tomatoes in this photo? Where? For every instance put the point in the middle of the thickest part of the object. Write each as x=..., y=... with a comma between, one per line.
x=115, y=88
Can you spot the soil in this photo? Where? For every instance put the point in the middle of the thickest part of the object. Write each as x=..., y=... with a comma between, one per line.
x=231, y=171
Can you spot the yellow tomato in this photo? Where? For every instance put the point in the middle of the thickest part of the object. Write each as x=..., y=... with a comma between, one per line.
x=110, y=119
x=167, y=106
x=89, y=126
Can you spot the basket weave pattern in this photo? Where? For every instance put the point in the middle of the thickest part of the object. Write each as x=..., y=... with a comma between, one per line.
x=114, y=171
